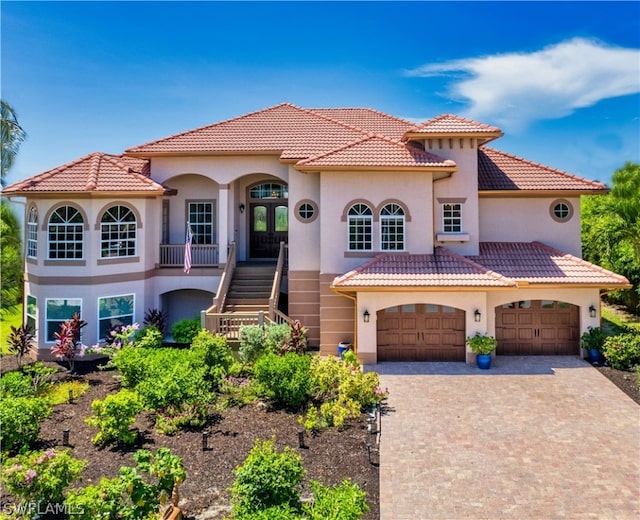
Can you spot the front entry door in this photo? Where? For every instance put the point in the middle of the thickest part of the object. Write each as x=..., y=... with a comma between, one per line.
x=269, y=223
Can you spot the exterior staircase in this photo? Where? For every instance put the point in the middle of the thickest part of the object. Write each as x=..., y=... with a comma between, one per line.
x=250, y=287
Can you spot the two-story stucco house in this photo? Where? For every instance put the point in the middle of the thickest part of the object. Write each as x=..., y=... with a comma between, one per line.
x=402, y=239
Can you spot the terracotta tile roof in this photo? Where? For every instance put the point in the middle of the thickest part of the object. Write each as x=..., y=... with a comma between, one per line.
x=538, y=263
x=444, y=268
x=499, y=264
x=293, y=132
x=368, y=120
x=96, y=172
x=376, y=152
x=452, y=124
x=502, y=171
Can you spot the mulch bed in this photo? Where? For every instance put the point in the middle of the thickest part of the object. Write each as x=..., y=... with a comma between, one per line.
x=625, y=380
x=329, y=457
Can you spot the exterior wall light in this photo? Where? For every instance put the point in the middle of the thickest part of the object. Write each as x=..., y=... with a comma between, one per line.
x=592, y=311
x=477, y=315
x=241, y=207
x=366, y=316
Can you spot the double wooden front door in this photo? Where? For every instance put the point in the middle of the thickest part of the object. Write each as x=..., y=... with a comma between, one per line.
x=269, y=223
x=537, y=327
x=421, y=332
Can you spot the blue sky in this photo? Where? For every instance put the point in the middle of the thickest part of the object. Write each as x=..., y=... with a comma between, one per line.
x=561, y=79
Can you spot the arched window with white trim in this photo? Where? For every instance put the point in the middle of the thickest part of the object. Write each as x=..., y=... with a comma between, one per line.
x=392, y=228
x=32, y=233
x=118, y=232
x=65, y=233
x=360, y=226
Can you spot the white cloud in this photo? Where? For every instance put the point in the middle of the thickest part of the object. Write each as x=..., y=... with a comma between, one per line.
x=516, y=88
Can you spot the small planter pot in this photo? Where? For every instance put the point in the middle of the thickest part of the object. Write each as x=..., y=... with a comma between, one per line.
x=342, y=348
x=483, y=361
x=595, y=356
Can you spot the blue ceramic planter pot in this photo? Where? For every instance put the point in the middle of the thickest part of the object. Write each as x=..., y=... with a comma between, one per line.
x=342, y=348
x=595, y=355
x=483, y=361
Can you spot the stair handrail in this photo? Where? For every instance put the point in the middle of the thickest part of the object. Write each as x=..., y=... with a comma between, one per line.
x=275, y=287
x=225, y=280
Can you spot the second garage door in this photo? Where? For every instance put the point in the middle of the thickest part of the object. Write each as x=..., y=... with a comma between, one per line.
x=421, y=332
x=538, y=327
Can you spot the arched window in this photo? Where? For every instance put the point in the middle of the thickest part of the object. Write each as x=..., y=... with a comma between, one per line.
x=392, y=228
x=118, y=232
x=360, y=224
x=65, y=234
x=32, y=233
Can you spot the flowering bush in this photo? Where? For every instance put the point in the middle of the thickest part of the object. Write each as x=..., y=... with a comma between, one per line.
x=68, y=345
x=173, y=418
x=114, y=416
x=41, y=476
x=238, y=391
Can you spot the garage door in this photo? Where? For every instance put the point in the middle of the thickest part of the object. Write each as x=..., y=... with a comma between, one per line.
x=420, y=332
x=537, y=327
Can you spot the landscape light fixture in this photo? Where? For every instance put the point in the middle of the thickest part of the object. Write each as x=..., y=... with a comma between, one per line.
x=477, y=315
x=366, y=316
x=592, y=311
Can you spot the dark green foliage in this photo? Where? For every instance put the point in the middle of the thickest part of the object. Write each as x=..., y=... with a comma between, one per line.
x=20, y=418
x=623, y=351
x=593, y=339
x=184, y=331
x=285, y=379
x=157, y=319
x=216, y=354
x=10, y=258
x=267, y=478
x=345, y=501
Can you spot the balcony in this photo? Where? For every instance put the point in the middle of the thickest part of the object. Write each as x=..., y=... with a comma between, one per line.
x=172, y=255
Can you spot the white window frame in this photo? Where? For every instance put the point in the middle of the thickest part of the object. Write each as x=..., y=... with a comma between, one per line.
x=203, y=232
x=48, y=321
x=32, y=233
x=123, y=318
x=452, y=224
x=63, y=230
x=118, y=238
x=360, y=219
x=392, y=217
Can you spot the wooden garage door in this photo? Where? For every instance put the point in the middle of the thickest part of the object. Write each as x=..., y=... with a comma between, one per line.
x=537, y=327
x=420, y=332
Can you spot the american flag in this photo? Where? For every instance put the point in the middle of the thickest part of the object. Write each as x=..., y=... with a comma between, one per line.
x=187, y=249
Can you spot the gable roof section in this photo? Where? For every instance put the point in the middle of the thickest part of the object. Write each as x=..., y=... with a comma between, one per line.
x=285, y=129
x=449, y=125
x=499, y=265
x=500, y=171
x=376, y=152
x=535, y=263
x=96, y=172
x=443, y=269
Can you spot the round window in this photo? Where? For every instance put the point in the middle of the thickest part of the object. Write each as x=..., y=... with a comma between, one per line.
x=561, y=210
x=306, y=211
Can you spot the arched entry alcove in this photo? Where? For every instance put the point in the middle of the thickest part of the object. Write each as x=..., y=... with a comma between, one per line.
x=421, y=332
x=537, y=327
x=268, y=218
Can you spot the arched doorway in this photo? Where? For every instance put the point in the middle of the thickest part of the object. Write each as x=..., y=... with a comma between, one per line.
x=421, y=332
x=537, y=327
x=268, y=219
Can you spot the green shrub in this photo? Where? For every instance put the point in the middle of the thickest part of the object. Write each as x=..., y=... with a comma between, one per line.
x=593, y=339
x=174, y=382
x=15, y=384
x=41, y=476
x=216, y=354
x=345, y=501
x=58, y=393
x=132, y=364
x=130, y=495
x=180, y=417
x=276, y=336
x=40, y=376
x=285, y=379
x=283, y=512
x=238, y=391
x=184, y=331
x=267, y=478
x=148, y=337
x=20, y=419
x=114, y=416
x=252, y=342
x=622, y=352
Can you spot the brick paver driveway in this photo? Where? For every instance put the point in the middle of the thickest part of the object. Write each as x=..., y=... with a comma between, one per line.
x=532, y=438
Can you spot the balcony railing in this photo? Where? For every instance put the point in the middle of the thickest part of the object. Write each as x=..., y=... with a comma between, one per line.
x=172, y=255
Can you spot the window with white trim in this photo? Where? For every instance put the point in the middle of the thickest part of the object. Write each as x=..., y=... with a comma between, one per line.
x=32, y=313
x=32, y=233
x=59, y=310
x=114, y=311
x=200, y=217
x=360, y=226
x=65, y=234
x=452, y=218
x=118, y=232
x=392, y=228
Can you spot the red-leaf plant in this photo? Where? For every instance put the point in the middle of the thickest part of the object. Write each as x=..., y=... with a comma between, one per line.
x=68, y=345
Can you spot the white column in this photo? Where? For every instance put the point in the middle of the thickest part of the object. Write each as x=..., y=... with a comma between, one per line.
x=223, y=228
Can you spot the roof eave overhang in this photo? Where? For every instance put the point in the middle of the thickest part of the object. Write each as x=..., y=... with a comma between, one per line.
x=525, y=284
x=540, y=193
x=482, y=137
x=201, y=153
x=361, y=168
x=88, y=194
x=418, y=288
